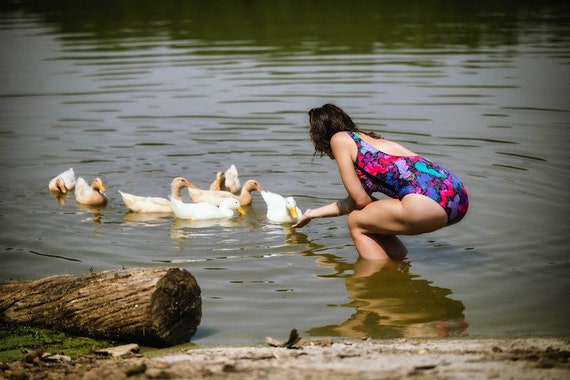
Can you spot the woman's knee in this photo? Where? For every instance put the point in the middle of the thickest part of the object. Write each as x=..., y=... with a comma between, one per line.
x=352, y=221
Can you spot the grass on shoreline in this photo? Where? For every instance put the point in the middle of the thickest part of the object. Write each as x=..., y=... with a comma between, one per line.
x=14, y=340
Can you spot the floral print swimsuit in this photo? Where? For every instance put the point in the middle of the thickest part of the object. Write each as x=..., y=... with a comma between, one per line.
x=398, y=176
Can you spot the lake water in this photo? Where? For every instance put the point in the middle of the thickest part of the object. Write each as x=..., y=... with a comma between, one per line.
x=139, y=93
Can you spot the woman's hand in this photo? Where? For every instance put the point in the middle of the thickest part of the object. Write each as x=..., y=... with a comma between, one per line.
x=303, y=220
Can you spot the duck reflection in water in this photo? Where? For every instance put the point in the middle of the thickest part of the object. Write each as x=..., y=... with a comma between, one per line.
x=95, y=210
x=146, y=218
x=60, y=197
x=391, y=302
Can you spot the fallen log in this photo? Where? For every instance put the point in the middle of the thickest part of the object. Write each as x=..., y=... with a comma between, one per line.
x=150, y=306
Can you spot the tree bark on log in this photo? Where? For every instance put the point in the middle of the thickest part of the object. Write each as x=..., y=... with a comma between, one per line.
x=150, y=306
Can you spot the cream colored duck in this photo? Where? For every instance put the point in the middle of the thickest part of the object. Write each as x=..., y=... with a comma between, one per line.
x=204, y=211
x=232, y=182
x=281, y=209
x=90, y=195
x=219, y=183
x=137, y=203
x=214, y=197
x=63, y=182
x=245, y=197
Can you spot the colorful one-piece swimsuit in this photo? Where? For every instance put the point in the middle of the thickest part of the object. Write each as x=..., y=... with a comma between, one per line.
x=398, y=176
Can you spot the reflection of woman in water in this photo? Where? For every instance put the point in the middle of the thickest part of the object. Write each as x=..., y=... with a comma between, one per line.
x=391, y=302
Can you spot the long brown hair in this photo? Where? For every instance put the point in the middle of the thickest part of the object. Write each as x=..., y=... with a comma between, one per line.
x=327, y=120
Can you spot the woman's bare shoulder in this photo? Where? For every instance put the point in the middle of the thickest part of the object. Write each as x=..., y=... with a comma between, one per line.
x=341, y=138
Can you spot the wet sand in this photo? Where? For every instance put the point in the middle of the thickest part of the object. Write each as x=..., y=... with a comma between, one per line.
x=449, y=358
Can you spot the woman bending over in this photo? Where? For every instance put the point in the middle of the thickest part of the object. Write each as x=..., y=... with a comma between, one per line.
x=424, y=195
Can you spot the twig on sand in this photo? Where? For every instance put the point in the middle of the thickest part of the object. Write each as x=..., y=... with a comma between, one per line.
x=295, y=342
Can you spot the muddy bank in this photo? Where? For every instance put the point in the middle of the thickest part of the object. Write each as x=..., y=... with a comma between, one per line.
x=487, y=358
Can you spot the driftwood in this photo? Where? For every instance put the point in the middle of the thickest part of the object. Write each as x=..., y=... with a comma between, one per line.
x=153, y=306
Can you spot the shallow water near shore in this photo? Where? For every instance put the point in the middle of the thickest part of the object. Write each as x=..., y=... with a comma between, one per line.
x=138, y=96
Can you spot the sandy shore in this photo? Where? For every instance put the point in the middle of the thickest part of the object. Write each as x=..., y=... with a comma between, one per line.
x=458, y=358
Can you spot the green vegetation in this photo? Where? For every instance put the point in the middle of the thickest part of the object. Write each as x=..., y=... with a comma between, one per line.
x=15, y=339
x=292, y=25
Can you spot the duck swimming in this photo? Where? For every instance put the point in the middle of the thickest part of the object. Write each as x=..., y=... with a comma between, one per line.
x=216, y=196
x=219, y=183
x=90, y=195
x=227, y=181
x=63, y=182
x=245, y=197
x=137, y=203
x=213, y=197
x=204, y=211
x=232, y=182
x=281, y=209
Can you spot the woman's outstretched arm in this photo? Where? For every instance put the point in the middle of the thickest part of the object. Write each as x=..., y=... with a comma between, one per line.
x=341, y=207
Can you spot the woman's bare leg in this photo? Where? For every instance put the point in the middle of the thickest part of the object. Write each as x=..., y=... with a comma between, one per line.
x=384, y=246
x=372, y=227
x=367, y=268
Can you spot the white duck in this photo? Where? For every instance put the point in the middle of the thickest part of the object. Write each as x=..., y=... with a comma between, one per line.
x=63, y=182
x=90, y=195
x=137, y=203
x=203, y=211
x=281, y=209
